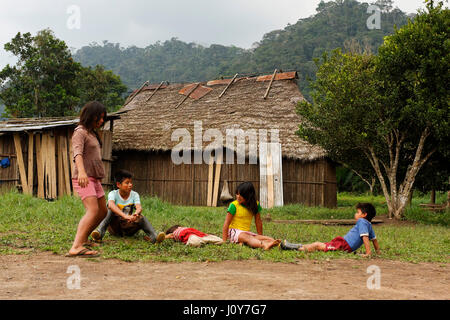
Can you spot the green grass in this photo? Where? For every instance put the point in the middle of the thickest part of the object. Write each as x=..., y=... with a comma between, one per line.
x=31, y=224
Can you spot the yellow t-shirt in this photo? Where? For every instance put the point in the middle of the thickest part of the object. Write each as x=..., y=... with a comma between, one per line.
x=243, y=217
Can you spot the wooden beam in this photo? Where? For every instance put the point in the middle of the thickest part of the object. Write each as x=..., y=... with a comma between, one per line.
x=53, y=161
x=263, y=174
x=210, y=181
x=66, y=165
x=270, y=84
x=277, y=164
x=39, y=167
x=270, y=191
x=136, y=93
x=60, y=173
x=325, y=222
x=30, y=161
x=155, y=91
x=226, y=88
x=217, y=178
x=187, y=96
x=23, y=175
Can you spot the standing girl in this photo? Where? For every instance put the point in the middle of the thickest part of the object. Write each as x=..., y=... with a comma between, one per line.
x=239, y=218
x=87, y=174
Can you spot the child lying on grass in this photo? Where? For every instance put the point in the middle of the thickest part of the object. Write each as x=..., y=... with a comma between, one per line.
x=191, y=236
x=361, y=233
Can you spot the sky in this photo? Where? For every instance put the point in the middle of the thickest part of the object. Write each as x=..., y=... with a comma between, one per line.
x=143, y=22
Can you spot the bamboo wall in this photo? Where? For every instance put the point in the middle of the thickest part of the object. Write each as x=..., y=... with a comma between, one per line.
x=44, y=166
x=9, y=177
x=310, y=183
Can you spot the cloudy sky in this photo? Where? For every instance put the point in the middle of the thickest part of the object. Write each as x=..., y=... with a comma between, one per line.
x=143, y=22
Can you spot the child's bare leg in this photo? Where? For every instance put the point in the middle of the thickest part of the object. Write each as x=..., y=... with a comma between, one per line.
x=250, y=240
x=316, y=246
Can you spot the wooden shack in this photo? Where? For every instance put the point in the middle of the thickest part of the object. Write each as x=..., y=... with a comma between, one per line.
x=39, y=152
x=143, y=140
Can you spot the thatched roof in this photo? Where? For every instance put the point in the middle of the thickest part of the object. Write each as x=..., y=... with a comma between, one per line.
x=153, y=116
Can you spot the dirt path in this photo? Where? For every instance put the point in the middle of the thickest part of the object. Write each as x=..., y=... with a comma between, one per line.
x=44, y=276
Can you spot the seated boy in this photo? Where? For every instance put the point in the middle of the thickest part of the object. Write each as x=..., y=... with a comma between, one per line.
x=361, y=233
x=120, y=220
x=191, y=236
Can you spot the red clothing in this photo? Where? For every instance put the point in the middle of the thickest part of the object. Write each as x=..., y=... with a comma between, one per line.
x=182, y=234
x=338, y=243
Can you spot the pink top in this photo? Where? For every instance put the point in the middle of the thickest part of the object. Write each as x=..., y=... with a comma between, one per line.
x=87, y=145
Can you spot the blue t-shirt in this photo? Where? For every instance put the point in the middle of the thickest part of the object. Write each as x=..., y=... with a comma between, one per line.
x=362, y=228
x=126, y=205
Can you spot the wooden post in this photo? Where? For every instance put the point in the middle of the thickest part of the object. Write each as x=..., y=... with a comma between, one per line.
x=270, y=84
x=187, y=96
x=217, y=179
x=66, y=165
x=154, y=91
x=39, y=167
x=263, y=174
x=60, y=175
x=270, y=194
x=277, y=165
x=30, y=161
x=23, y=175
x=226, y=88
x=210, y=181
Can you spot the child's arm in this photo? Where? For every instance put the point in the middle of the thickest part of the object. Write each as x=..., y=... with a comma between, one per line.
x=116, y=210
x=258, y=223
x=83, y=179
x=226, y=225
x=367, y=245
x=376, y=246
x=138, y=209
x=169, y=236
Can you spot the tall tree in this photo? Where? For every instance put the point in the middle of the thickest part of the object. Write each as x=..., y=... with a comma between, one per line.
x=42, y=81
x=389, y=110
x=46, y=82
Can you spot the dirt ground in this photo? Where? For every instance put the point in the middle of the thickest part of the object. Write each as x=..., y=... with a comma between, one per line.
x=45, y=276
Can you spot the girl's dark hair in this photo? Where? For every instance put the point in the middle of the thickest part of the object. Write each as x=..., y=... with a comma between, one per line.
x=90, y=114
x=172, y=229
x=247, y=191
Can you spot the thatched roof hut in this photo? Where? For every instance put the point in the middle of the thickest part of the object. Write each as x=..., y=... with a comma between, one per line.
x=144, y=135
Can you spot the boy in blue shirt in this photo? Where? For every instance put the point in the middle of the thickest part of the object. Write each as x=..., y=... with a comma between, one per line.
x=120, y=220
x=361, y=233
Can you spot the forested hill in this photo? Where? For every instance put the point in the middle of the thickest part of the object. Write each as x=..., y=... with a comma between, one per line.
x=335, y=24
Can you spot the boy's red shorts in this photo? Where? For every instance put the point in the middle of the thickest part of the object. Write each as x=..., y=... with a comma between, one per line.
x=337, y=243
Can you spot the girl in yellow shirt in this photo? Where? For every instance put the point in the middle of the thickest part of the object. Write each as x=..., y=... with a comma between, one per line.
x=239, y=218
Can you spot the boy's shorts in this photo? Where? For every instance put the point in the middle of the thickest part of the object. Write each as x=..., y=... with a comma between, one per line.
x=233, y=234
x=93, y=189
x=337, y=243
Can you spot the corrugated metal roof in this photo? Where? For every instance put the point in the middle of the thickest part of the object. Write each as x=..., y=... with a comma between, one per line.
x=33, y=124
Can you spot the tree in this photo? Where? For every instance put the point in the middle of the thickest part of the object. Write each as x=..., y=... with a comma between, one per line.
x=46, y=82
x=101, y=85
x=390, y=111
x=42, y=82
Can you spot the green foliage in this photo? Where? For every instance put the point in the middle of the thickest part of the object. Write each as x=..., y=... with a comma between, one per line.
x=335, y=25
x=43, y=81
x=47, y=82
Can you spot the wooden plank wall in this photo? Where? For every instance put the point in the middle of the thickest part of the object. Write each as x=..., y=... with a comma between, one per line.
x=48, y=153
x=156, y=175
x=9, y=177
